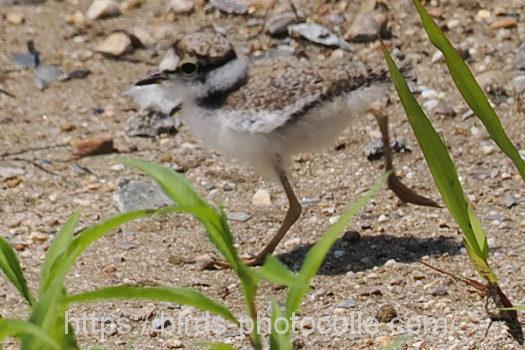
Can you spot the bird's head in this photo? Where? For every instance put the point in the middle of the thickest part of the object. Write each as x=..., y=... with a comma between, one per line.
x=203, y=63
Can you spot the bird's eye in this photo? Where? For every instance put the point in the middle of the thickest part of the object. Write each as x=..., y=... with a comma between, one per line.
x=188, y=68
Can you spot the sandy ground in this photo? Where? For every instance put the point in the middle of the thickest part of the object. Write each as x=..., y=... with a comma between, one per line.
x=161, y=251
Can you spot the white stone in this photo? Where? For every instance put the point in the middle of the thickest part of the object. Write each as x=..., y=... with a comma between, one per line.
x=292, y=242
x=382, y=218
x=181, y=6
x=115, y=44
x=101, y=9
x=262, y=198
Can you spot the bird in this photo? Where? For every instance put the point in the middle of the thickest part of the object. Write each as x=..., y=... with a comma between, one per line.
x=265, y=111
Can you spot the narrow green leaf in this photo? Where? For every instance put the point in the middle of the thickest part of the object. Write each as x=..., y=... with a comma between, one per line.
x=479, y=233
x=92, y=233
x=212, y=346
x=19, y=328
x=45, y=313
x=173, y=184
x=61, y=242
x=517, y=308
x=11, y=267
x=444, y=173
x=318, y=252
x=470, y=89
x=274, y=271
x=184, y=296
x=280, y=330
x=179, y=189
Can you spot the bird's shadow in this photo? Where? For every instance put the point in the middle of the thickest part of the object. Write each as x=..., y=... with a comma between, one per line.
x=359, y=253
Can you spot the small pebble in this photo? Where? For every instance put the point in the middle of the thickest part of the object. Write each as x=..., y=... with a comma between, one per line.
x=347, y=304
x=239, y=216
x=92, y=146
x=291, y=243
x=338, y=254
x=181, y=6
x=15, y=18
x=386, y=313
x=351, y=236
x=368, y=291
x=262, y=198
x=102, y=9
x=439, y=291
x=506, y=22
x=116, y=44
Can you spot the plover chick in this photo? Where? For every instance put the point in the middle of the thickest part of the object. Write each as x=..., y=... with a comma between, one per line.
x=265, y=111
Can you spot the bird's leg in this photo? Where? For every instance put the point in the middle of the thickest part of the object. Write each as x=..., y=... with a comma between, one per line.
x=404, y=193
x=293, y=213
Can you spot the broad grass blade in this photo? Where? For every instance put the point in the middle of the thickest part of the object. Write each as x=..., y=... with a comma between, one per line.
x=184, y=296
x=19, y=328
x=279, y=337
x=470, y=89
x=444, y=173
x=178, y=189
x=10, y=265
x=274, y=271
x=212, y=346
x=318, y=252
x=60, y=244
x=92, y=233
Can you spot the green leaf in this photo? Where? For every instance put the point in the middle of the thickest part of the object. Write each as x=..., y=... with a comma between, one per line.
x=19, y=328
x=60, y=244
x=46, y=313
x=178, y=189
x=173, y=184
x=517, y=308
x=184, y=296
x=316, y=254
x=212, y=346
x=279, y=337
x=274, y=271
x=11, y=267
x=469, y=88
x=444, y=173
x=92, y=233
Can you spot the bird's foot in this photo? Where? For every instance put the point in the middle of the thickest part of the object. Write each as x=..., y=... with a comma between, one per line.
x=407, y=195
x=220, y=264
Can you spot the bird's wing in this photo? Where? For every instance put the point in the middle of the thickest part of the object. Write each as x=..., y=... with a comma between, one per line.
x=276, y=91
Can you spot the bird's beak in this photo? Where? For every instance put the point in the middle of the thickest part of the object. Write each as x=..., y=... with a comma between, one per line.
x=155, y=78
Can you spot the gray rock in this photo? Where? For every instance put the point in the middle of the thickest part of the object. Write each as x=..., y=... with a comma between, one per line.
x=239, y=216
x=519, y=84
x=439, y=291
x=347, y=304
x=367, y=27
x=150, y=123
x=278, y=24
x=318, y=34
x=230, y=6
x=510, y=200
x=137, y=195
x=24, y=60
x=45, y=74
x=7, y=172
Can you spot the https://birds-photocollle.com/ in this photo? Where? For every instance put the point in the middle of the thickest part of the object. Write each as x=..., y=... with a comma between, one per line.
x=264, y=111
